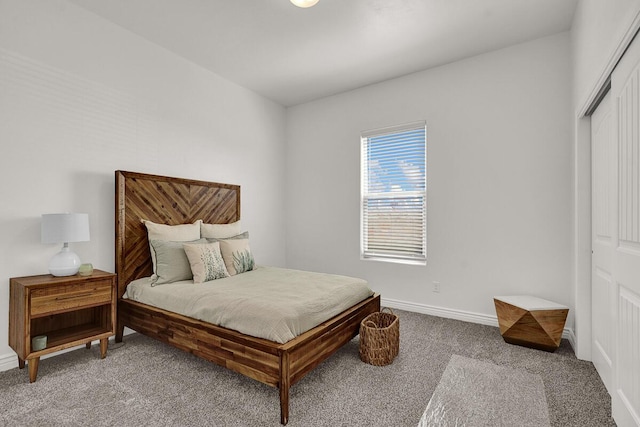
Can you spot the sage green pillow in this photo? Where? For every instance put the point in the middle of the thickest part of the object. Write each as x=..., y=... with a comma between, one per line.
x=175, y=233
x=244, y=235
x=172, y=264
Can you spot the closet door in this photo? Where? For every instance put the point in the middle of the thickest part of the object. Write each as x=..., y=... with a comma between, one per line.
x=602, y=291
x=625, y=90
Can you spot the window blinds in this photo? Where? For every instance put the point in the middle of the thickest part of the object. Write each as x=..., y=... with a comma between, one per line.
x=394, y=184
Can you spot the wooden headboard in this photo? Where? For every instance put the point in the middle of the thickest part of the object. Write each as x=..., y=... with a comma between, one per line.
x=163, y=200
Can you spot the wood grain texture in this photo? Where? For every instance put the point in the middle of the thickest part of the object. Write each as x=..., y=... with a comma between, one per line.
x=57, y=299
x=70, y=311
x=177, y=201
x=19, y=329
x=541, y=329
x=163, y=200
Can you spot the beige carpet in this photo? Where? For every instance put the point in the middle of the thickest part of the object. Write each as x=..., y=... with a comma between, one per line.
x=476, y=393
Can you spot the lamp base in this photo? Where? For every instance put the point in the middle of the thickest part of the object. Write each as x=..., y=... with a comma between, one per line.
x=64, y=263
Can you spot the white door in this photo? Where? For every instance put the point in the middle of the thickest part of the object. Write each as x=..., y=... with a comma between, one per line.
x=625, y=230
x=602, y=292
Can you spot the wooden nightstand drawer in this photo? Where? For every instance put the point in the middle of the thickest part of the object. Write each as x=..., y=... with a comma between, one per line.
x=59, y=298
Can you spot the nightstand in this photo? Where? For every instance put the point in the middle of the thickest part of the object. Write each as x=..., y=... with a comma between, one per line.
x=70, y=311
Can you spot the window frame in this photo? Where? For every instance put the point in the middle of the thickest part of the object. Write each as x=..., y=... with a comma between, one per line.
x=365, y=252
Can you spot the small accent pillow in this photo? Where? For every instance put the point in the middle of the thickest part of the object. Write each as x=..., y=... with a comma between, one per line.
x=237, y=255
x=175, y=233
x=206, y=261
x=172, y=263
x=220, y=231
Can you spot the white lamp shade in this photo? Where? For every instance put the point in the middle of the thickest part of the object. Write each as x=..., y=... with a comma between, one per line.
x=65, y=228
x=304, y=3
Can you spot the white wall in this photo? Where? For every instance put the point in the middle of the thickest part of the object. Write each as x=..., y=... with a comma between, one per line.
x=600, y=32
x=596, y=31
x=499, y=175
x=80, y=98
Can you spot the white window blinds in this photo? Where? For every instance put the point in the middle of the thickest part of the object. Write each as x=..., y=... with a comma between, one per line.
x=394, y=189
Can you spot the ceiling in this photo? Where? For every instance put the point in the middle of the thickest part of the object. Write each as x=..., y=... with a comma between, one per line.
x=293, y=55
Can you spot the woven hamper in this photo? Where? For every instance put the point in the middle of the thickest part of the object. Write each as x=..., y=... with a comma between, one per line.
x=379, y=338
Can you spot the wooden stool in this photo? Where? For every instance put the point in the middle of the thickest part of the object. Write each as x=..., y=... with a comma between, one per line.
x=530, y=321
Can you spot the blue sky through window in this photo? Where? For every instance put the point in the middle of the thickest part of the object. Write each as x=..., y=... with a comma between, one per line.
x=396, y=162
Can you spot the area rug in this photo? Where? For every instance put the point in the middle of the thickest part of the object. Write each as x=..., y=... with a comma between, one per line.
x=476, y=393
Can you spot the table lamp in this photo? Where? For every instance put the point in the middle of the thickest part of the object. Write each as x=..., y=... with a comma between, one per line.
x=64, y=228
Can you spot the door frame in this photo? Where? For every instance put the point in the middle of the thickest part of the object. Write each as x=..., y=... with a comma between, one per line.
x=582, y=197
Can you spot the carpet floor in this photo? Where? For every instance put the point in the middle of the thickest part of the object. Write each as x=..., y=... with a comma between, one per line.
x=145, y=382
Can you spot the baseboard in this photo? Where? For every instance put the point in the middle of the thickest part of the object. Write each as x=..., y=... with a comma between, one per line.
x=570, y=336
x=10, y=361
x=465, y=316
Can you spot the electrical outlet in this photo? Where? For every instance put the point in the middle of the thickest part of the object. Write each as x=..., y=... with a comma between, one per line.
x=436, y=286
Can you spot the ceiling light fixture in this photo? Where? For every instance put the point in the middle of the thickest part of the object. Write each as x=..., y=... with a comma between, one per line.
x=304, y=3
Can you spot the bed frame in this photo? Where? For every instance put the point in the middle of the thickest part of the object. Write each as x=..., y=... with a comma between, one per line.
x=179, y=201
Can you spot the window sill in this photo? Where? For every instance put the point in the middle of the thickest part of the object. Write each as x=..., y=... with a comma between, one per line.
x=395, y=260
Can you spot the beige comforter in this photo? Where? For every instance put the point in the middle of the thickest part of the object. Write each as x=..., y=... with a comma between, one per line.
x=272, y=303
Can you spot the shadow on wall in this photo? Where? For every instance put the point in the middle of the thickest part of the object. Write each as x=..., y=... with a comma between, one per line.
x=94, y=193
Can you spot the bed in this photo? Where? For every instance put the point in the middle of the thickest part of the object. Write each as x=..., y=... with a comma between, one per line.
x=174, y=201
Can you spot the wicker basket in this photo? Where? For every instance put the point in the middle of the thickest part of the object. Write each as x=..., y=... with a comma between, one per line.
x=379, y=338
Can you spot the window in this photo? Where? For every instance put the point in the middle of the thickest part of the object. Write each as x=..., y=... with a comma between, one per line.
x=394, y=190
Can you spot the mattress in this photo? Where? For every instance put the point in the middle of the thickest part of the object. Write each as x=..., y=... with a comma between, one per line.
x=273, y=303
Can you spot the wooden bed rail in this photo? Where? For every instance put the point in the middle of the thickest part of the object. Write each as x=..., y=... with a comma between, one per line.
x=277, y=365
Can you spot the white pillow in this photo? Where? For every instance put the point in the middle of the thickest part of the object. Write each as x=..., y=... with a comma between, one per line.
x=237, y=255
x=175, y=233
x=206, y=261
x=220, y=231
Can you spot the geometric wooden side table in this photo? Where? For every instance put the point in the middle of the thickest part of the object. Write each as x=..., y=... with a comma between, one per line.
x=531, y=321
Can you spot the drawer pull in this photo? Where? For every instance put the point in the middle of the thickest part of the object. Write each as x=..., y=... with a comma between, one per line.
x=67, y=297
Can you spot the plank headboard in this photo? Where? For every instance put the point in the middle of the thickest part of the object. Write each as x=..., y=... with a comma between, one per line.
x=163, y=200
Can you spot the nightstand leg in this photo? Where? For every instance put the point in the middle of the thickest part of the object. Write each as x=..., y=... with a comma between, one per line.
x=20, y=363
x=33, y=369
x=104, y=342
x=88, y=345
